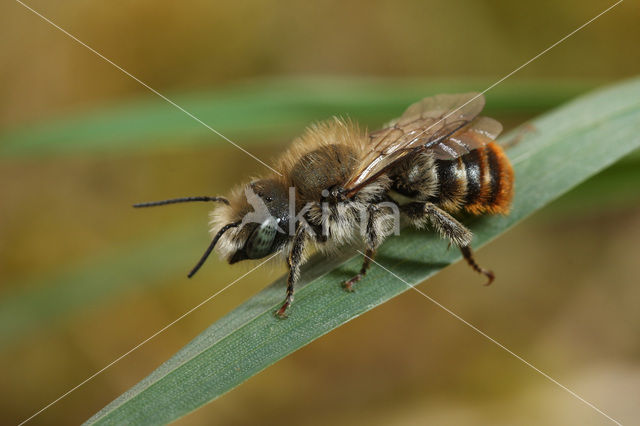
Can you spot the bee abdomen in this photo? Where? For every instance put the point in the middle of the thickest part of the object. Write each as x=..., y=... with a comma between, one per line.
x=452, y=184
x=480, y=181
x=490, y=170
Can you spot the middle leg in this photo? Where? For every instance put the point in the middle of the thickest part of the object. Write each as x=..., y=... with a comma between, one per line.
x=374, y=234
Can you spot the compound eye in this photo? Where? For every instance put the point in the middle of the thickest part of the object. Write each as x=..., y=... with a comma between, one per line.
x=261, y=240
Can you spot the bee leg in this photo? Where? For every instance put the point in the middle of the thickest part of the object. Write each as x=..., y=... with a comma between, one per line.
x=449, y=228
x=468, y=256
x=294, y=262
x=420, y=214
x=373, y=238
x=368, y=256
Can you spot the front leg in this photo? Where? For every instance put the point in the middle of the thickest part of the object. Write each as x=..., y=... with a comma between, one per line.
x=448, y=227
x=294, y=262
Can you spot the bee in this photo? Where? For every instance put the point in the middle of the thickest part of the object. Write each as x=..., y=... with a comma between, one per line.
x=438, y=159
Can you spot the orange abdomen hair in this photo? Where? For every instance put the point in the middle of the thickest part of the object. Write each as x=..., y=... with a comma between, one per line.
x=489, y=180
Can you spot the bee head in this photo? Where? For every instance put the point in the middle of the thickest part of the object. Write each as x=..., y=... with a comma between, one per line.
x=251, y=224
x=259, y=212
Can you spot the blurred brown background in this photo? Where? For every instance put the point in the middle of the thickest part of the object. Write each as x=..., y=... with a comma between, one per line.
x=565, y=298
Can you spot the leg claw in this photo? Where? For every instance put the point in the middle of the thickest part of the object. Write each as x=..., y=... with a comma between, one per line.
x=282, y=312
x=490, y=276
x=348, y=285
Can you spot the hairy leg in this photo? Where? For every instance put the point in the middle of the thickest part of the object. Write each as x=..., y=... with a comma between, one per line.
x=448, y=227
x=294, y=262
x=373, y=237
x=421, y=214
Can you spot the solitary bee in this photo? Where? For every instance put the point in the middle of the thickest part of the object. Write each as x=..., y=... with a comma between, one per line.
x=439, y=158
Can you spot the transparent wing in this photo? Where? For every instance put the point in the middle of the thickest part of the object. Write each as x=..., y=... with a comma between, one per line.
x=445, y=124
x=477, y=133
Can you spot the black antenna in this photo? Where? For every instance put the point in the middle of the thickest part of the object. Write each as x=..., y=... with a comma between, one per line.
x=211, y=246
x=181, y=200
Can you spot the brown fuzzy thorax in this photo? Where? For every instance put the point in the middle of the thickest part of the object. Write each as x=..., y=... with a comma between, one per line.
x=325, y=155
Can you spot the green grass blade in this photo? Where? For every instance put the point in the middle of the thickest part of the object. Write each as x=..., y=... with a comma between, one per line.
x=615, y=188
x=257, y=111
x=569, y=145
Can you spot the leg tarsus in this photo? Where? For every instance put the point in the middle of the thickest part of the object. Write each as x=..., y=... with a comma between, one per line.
x=468, y=256
x=282, y=312
x=348, y=284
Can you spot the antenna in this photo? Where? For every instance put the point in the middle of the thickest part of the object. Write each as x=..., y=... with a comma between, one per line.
x=181, y=200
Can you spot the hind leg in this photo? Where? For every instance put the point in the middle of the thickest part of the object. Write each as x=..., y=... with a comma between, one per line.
x=467, y=253
x=448, y=227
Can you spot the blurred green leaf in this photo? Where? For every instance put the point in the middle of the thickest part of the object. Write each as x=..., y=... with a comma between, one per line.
x=29, y=305
x=257, y=111
x=568, y=145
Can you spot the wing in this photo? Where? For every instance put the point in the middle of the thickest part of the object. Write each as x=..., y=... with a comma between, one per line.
x=445, y=124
